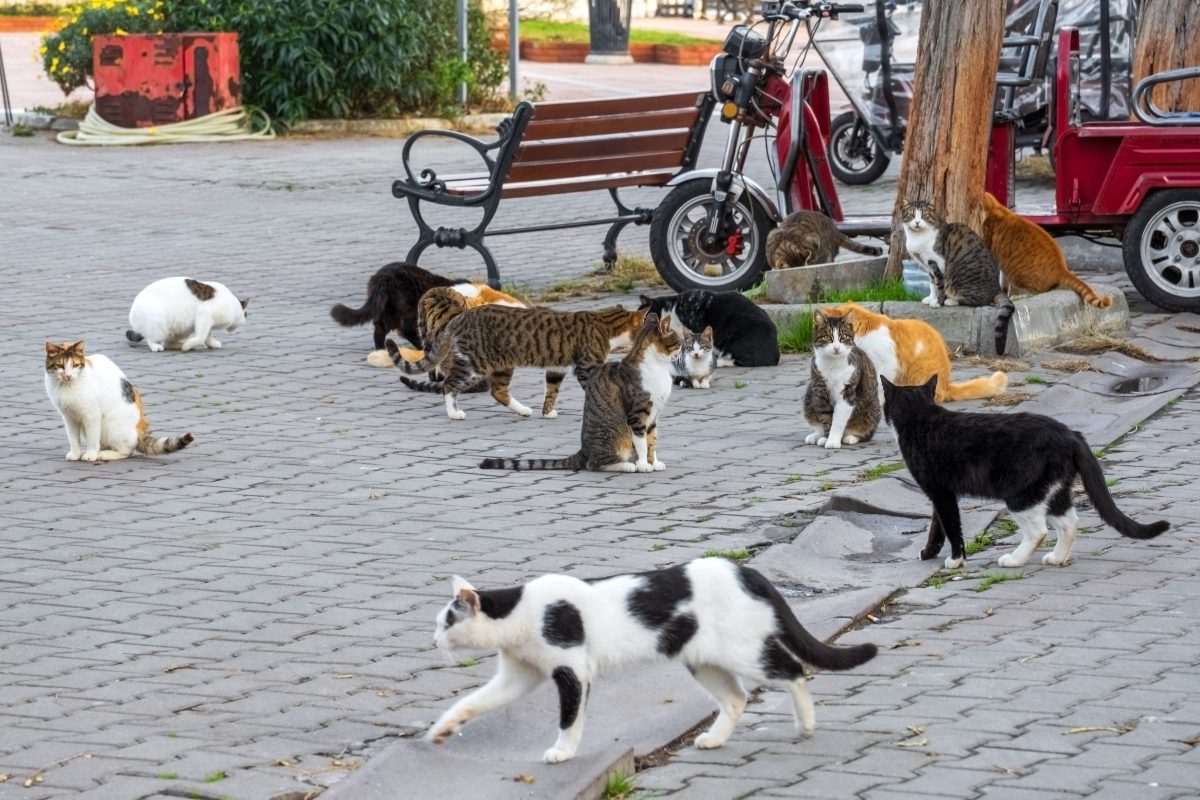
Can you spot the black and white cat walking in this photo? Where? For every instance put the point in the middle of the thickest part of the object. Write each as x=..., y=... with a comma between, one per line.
x=720, y=619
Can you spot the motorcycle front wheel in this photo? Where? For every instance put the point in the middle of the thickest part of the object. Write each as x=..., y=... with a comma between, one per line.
x=854, y=157
x=738, y=260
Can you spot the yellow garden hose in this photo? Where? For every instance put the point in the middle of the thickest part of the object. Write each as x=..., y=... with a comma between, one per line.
x=233, y=124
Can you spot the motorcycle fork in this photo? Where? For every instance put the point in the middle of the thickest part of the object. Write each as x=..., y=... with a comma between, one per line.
x=724, y=191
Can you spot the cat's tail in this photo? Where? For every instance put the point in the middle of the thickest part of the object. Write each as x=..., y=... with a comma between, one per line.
x=854, y=247
x=423, y=364
x=1089, y=295
x=1097, y=490
x=802, y=644
x=152, y=446
x=575, y=462
x=1003, y=320
x=344, y=315
x=977, y=388
x=134, y=336
x=477, y=385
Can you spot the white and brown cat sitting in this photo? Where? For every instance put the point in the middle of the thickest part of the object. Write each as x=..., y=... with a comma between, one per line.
x=723, y=621
x=100, y=408
x=182, y=313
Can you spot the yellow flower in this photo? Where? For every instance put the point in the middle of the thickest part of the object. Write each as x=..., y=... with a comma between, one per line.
x=65, y=69
x=121, y=32
x=62, y=46
x=84, y=31
x=42, y=49
x=131, y=10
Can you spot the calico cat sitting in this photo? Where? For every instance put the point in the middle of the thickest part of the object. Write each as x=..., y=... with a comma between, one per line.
x=1029, y=461
x=909, y=351
x=491, y=341
x=961, y=268
x=1029, y=258
x=101, y=409
x=696, y=362
x=723, y=621
x=182, y=313
x=810, y=237
x=621, y=408
x=742, y=332
x=842, y=403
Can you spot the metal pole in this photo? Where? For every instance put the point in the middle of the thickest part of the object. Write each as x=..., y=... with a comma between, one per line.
x=8, y=117
x=514, y=50
x=462, y=48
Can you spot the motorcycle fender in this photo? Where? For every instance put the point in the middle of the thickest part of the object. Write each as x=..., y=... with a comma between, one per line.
x=740, y=184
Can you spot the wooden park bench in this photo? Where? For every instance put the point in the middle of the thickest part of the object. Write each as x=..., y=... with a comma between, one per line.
x=558, y=148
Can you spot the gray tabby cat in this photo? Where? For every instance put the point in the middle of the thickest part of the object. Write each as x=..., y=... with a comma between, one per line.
x=696, y=362
x=961, y=268
x=620, y=409
x=810, y=237
x=843, y=403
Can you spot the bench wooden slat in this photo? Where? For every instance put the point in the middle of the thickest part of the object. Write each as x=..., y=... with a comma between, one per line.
x=547, y=187
x=606, y=165
x=613, y=106
x=621, y=123
x=618, y=144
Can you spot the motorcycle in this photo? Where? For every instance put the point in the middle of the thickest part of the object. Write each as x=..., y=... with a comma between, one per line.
x=710, y=230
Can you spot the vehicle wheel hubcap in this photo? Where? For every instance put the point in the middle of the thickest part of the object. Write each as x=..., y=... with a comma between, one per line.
x=714, y=265
x=1171, y=249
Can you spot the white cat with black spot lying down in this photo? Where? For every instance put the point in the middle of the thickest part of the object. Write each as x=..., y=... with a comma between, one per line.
x=720, y=619
x=182, y=313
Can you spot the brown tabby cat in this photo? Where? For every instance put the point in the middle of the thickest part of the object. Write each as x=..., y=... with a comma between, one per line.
x=621, y=409
x=437, y=307
x=842, y=404
x=809, y=237
x=492, y=341
x=1030, y=260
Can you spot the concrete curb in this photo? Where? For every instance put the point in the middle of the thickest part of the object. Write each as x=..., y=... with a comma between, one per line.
x=396, y=128
x=1040, y=322
x=45, y=122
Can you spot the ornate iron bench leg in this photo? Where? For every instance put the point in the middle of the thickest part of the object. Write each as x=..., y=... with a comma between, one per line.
x=637, y=216
x=453, y=237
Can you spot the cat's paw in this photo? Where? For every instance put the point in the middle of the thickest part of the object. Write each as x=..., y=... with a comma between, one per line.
x=213, y=344
x=659, y=466
x=74, y=455
x=156, y=347
x=643, y=466
x=955, y=563
x=557, y=756
x=456, y=414
x=705, y=384
x=1010, y=560
x=928, y=300
x=929, y=553
x=950, y=301
x=833, y=443
x=551, y=414
x=812, y=438
x=709, y=741
x=1052, y=560
x=623, y=466
x=91, y=455
x=935, y=304
x=849, y=438
x=442, y=731
x=524, y=411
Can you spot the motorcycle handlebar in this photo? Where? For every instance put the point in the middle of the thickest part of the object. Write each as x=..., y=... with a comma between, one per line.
x=803, y=9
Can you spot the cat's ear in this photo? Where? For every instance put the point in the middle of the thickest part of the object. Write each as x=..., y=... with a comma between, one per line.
x=465, y=592
x=930, y=386
x=819, y=317
x=707, y=335
x=52, y=348
x=649, y=319
x=664, y=325
x=244, y=303
x=76, y=347
x=645, y=302
x=848, y=316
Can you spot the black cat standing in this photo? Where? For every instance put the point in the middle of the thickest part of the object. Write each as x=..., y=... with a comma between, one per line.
x=1029, y=461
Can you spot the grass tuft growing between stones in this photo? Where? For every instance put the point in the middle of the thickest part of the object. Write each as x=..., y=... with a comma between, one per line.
x=992, y=578
x=737, y=556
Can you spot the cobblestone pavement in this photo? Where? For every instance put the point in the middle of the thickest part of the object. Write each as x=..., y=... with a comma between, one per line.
x=235, y=620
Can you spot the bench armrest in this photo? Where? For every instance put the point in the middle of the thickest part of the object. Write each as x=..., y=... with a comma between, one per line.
x=432, y=188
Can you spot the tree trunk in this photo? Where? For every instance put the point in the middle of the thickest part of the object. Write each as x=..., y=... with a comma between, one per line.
x=1168, y=37
x=945, y=149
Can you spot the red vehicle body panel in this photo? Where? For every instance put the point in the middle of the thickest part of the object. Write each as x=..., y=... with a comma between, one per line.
x=144, y=80
x=809, y=93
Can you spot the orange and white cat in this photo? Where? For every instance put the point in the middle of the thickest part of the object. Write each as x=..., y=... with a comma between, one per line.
x=100, y=408
x=908, y=351
x=476, y=294
x=1030, y=260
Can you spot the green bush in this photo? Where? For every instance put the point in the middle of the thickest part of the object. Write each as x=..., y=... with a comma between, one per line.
x=348, y=58
x=67, y=52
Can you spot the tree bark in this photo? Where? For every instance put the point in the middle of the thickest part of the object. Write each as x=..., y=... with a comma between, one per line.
x=1168, y=37
x=945, y=149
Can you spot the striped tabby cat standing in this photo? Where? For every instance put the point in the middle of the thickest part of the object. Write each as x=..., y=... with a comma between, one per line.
x=491, y=341
x=621, y=410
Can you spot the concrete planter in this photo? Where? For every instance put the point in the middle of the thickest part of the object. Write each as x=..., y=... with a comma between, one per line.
x=806, y=284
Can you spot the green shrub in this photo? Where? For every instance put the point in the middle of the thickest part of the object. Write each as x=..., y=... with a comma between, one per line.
x=67, y=52
x=349, y=58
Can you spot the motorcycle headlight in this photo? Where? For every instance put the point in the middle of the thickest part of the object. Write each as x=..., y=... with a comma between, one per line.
x=724, y=71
